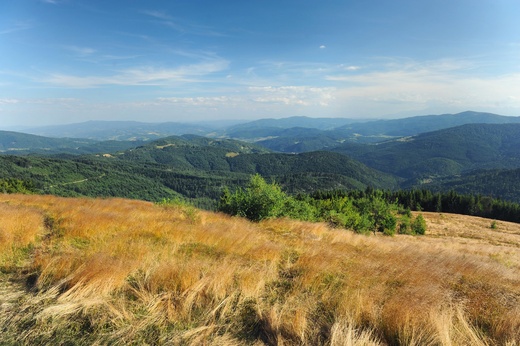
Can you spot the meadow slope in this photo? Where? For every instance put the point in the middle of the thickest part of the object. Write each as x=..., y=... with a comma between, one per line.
x=114, y=271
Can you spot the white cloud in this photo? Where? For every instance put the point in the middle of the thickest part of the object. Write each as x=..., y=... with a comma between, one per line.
x=200, y=101
x=81, y=51
x=8, y=101
x=157, y=14
x=141, y=76
x=323, y=46
x=293, y=95
x=442, y=85
x=18, y=26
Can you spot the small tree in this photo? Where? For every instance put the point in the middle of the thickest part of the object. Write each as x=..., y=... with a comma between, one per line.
x=419, y=225
x=258, y=201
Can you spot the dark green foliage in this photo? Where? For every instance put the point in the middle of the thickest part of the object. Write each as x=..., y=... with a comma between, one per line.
x=261, y=200
x=444, y=152
x=23, y=144
x=300, y=134
x=504, y=184
x=418, y=225
x=453, y=202
x=11, y=185
x=369, y=212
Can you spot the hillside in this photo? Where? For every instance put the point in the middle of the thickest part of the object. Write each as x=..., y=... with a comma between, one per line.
x=221, y=155
x=19, y=142
x=444, y=152
x=120, y=130
x=301, y=139
x=497, y=182
x=191, y=166
x=113, y=271
x=426, y=123
x=16, y=143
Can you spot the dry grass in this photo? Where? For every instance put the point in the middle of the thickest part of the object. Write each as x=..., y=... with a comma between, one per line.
x=113, y=271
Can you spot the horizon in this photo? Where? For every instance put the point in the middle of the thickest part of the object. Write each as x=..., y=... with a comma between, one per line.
x=230, y=122
x=157, y=61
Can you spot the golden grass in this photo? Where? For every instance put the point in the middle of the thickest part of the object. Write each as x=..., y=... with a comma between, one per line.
x=130, y=272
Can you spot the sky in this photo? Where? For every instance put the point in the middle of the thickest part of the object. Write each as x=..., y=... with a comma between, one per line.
x=69, y=61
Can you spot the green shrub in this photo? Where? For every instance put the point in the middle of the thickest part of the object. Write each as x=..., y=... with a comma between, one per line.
x=405, y=225
x=419, y=225
x=261, y=200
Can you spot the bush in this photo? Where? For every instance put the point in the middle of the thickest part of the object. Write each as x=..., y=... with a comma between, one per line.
x=419, y=225
x=261, y=200
x=405, y=226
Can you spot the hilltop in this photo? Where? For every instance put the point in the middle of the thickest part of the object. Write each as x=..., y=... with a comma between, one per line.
x=116, y=271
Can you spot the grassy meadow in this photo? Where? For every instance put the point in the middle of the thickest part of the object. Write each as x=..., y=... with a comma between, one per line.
x=113, y=271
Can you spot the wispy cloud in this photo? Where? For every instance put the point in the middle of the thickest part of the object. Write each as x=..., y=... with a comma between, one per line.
x=181, y=25
x=58, y=101
x=142, y=76
x=267, y=95
x=52, y=2
x=443, y=84
x=202, y=101
x=157, y=14
x=293, y=95
x=8, y=101
x=18, y=26
x=81, y=51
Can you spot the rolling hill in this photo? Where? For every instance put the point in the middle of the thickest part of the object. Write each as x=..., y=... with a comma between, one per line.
x=444, y=152
x=17, y=143
x=112, y=271
x=369, y=131
x=192, y=166
x=197, y=167
x=120, y=130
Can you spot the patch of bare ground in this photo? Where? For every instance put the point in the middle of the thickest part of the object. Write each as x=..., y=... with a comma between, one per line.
x=114, y=271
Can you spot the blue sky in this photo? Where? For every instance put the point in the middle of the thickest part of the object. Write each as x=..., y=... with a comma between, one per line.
x=66, y=61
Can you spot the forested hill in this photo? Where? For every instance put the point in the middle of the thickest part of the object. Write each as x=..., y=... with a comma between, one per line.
x=302, y=138
x=426, y=123
x=444, y=152
x=120, y=130
x=501, y=183
x=192, y=166
x=16, y=141
x=194, y=153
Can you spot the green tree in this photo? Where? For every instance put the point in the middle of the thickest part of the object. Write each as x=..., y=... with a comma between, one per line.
x=260, y=200
x=419, y=225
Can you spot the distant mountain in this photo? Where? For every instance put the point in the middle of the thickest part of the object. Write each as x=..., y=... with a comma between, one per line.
x=19, y=142
x=191, y=152
x=426, y=123
x=286, y=123
x=22, y=144
x=192, y=166
x=365, y=132
x=444, y=152
x=284, y=135
x=120, y=130
x=498, y=183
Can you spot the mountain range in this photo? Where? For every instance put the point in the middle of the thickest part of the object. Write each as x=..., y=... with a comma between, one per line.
x=466, y=152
